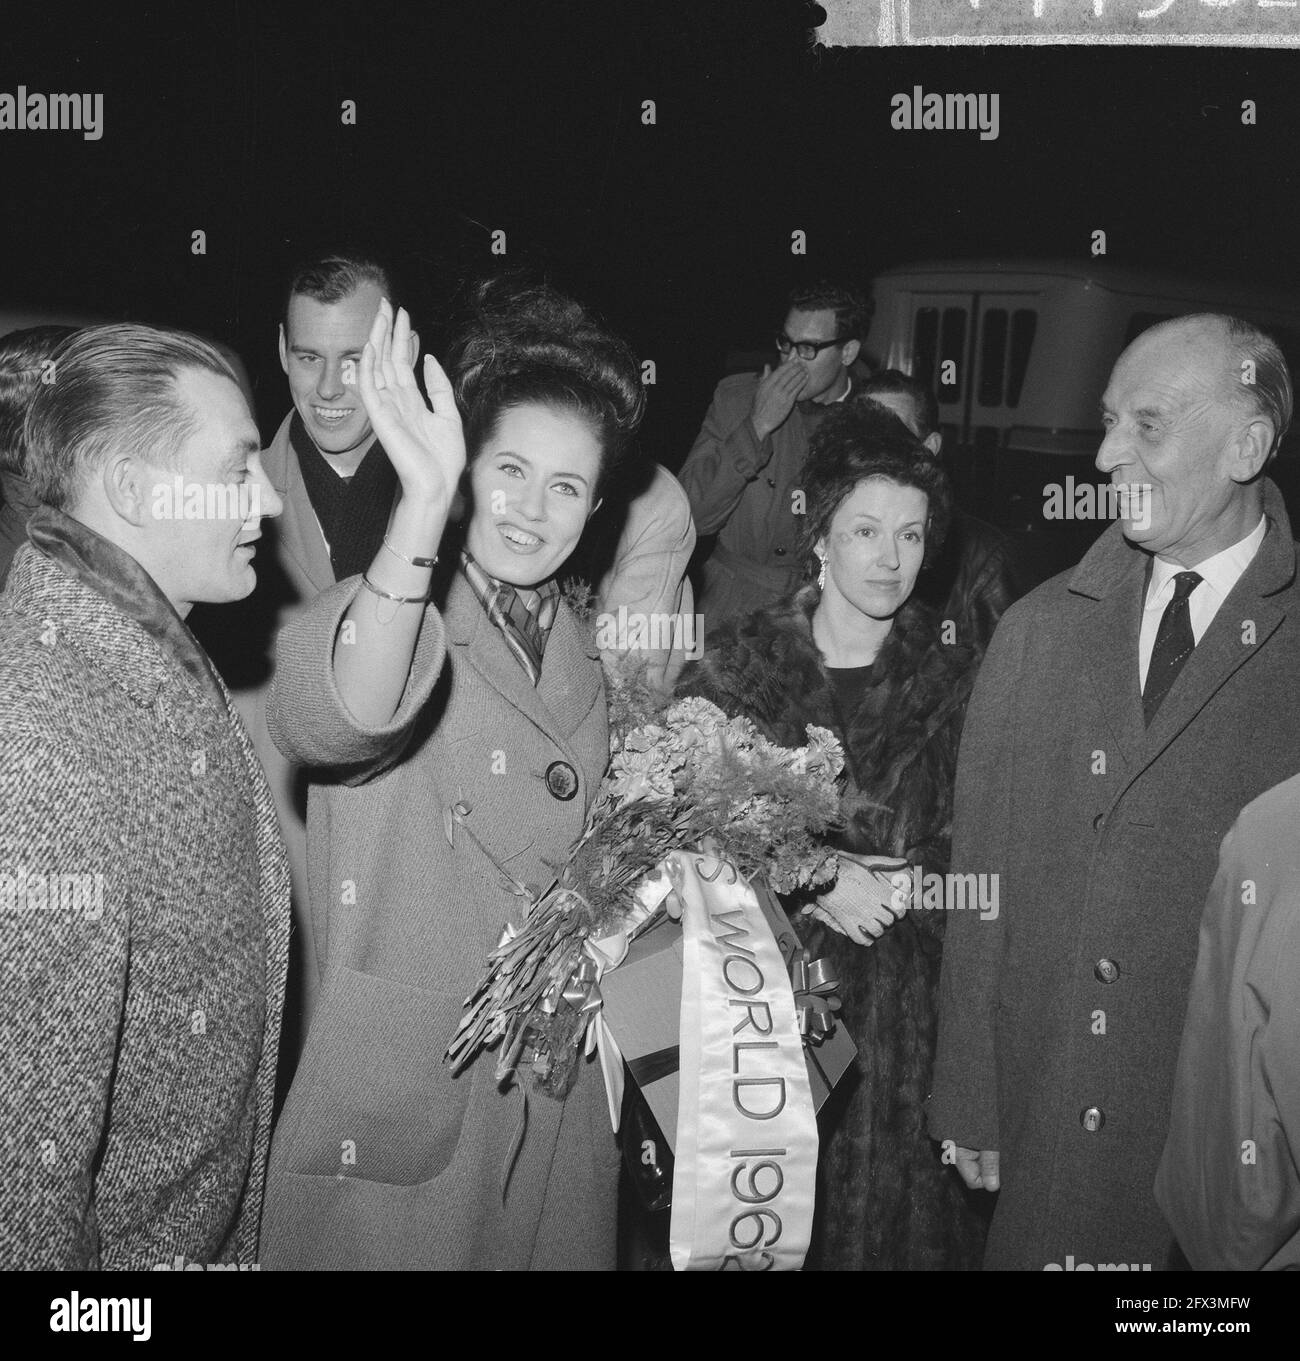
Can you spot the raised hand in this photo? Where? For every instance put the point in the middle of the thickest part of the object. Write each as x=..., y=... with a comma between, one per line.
x=774, y=398
x=426, y=447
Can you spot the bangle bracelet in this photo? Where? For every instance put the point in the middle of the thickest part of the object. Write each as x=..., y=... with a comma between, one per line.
x=415, y=562
x=401, y=599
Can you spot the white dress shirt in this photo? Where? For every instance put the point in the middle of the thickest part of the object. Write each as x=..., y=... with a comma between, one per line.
x=1218, y=574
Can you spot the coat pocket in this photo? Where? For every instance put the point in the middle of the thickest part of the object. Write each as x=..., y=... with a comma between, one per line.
x=373, y=1098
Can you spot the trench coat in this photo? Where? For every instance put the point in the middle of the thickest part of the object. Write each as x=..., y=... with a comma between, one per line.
x=1060, y=1019
x=742, y=490
x=382, y=1158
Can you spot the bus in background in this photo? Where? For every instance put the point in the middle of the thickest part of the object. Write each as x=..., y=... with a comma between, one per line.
x=1018, y=354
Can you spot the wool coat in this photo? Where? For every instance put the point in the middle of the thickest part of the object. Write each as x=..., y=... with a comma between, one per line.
x=1229, y=1178
x=742, y=489
x=415, y=831
x=139, y=1018
x=884, y=1201
x=1060, y=1019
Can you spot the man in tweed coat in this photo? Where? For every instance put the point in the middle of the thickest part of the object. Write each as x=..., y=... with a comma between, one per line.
x=144, y=893
x=1099, y=771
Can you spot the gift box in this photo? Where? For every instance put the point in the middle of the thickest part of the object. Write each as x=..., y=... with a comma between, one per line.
x=642, y=1008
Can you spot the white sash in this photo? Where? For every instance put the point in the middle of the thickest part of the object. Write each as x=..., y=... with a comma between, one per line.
x=745, y=1167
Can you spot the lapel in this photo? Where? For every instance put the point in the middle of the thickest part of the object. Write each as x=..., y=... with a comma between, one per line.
x=135, y=662
x=1229, y=643
x=570, y=680
x=298, y=530
x=1112, y=578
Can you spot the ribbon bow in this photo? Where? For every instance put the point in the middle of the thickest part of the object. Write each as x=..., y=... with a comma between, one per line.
x=581, y=991
x=815, y=1000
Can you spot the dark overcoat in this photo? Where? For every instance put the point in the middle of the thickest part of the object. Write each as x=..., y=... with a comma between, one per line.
x=884, y=1200
x=382, y=1158
x=1061, y=1018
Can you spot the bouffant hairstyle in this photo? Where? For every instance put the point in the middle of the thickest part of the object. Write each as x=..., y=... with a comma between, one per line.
x=856, y=440
x=528, y=343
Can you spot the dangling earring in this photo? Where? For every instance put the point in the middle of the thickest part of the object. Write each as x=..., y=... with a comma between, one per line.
x=821, y=576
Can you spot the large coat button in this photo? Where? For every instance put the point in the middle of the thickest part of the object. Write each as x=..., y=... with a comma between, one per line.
x=561, y=780
x=1092, y=1119
x=1107, y=970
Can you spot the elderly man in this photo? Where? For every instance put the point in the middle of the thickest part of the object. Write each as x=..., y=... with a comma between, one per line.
x=743, y=476
x=144, y=893
x=26, y=359
x=1126, y=711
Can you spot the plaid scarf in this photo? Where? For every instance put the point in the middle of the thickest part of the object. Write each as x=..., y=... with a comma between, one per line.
x=524, y=626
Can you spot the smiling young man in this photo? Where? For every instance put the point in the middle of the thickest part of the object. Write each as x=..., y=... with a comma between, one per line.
x=144, y=893
x=744, y=471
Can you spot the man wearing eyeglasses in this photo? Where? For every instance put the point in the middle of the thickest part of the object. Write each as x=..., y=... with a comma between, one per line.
x=744, y=473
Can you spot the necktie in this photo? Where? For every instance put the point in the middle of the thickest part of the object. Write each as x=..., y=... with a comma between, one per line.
x=1174, y=644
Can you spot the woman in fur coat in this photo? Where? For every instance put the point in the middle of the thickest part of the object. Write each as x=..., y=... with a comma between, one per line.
x=857, y=655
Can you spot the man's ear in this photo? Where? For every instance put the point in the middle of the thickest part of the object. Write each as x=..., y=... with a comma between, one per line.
x=127, y=491
x=1252, y=450
x=850, y=352
x=933, y=442
x=284, y=350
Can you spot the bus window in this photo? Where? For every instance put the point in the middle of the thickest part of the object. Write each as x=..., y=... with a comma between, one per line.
x=925, y=344
x=993, y=356
x=953, y=348
x=1024, y=323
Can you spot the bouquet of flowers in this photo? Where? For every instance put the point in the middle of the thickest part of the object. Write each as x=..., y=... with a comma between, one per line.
x=680, y=777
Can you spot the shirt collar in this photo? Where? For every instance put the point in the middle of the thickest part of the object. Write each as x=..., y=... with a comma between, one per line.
x=1220, y=572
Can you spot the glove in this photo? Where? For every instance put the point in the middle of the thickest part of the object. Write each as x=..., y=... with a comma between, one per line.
x=871, y=893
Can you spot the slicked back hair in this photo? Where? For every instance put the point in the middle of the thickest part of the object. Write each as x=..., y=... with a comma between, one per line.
x=25, y=359
x=331, y=278
x=114, y=391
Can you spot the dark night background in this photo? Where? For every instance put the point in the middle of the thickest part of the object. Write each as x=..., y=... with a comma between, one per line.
x=526, y=116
